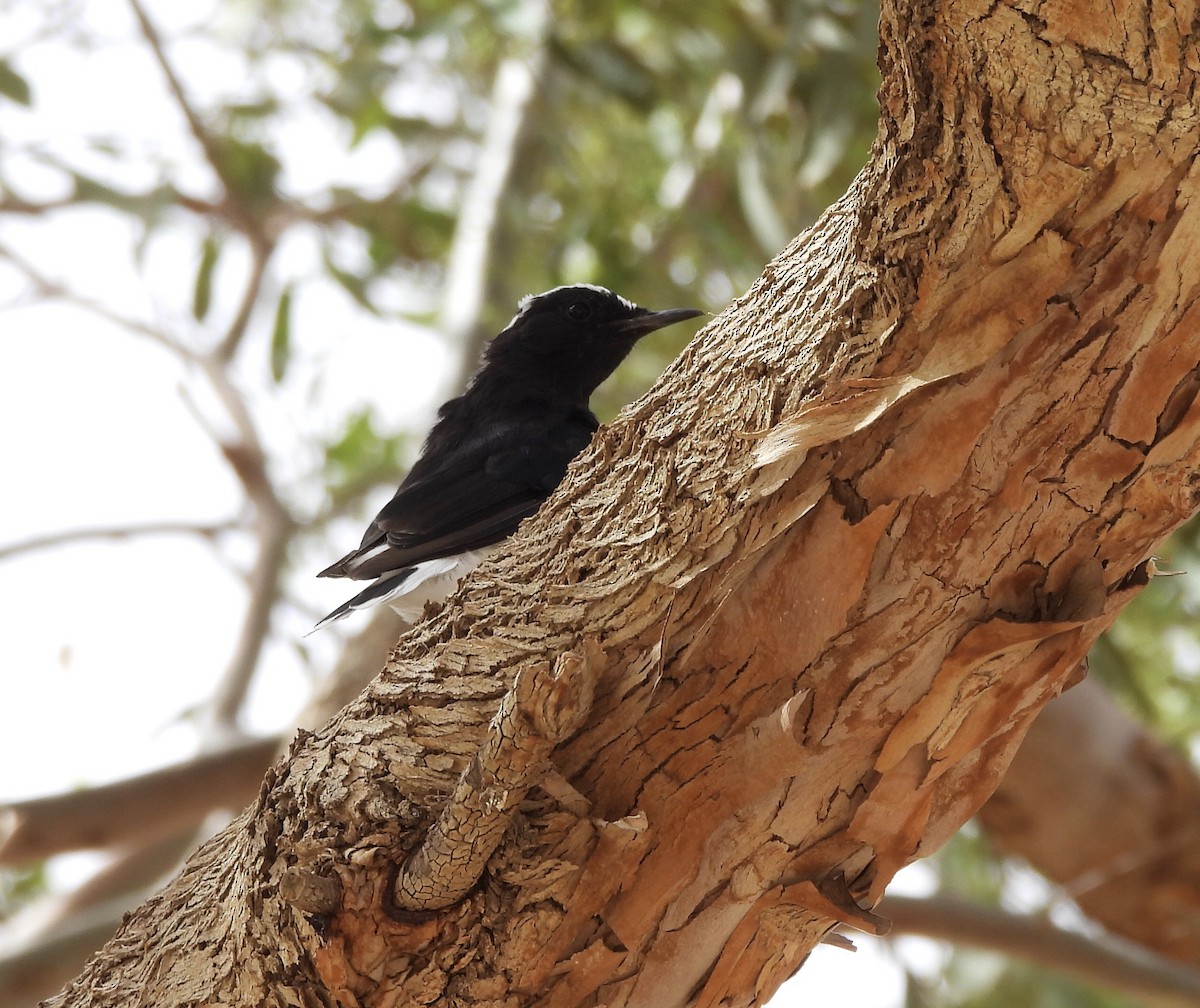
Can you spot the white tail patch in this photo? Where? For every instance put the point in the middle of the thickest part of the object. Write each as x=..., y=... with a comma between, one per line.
x=432, y=581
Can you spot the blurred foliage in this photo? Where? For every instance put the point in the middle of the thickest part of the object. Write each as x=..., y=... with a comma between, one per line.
x=1151, y=657
x=19, y=887
x=967, y=867
x=361, y=458
x=670, y=149
x=13, y=86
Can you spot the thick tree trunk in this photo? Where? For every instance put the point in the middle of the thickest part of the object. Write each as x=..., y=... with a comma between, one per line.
x=785, y=624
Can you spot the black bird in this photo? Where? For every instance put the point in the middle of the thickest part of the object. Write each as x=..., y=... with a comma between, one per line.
x=499, y=449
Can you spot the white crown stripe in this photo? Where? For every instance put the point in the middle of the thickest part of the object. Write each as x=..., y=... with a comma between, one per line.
x=524, y=304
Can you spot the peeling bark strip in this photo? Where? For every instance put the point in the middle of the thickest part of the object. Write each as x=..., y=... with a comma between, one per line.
x=861, y=531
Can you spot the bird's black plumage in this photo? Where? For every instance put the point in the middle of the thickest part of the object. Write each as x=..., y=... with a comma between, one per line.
x=499, y=449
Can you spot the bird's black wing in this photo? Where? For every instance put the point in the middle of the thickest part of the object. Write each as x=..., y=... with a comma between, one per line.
x=469, y=495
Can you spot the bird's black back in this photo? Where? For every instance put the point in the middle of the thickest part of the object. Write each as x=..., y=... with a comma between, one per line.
x=500, y=449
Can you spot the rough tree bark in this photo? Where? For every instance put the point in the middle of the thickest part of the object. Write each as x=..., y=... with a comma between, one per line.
x=783, y=627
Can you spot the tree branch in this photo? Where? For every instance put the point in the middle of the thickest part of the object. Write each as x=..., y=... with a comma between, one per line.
x=260, y=256
x=155, y=804
x=469, y=262
x=55, y=539
x=249, y=222
x=52, y=290
x=1086, y=761
x=1103, y=962
x=150, y=33
x=15, y=205
x=274, y=528
x=246, y=457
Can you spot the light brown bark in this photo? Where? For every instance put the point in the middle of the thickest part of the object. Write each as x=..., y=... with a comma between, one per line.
x=835, y=562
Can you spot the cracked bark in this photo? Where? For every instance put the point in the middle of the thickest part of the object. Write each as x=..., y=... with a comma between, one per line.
x=855, y=538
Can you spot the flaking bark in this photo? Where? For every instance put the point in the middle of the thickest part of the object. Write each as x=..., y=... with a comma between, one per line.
x=840, y=556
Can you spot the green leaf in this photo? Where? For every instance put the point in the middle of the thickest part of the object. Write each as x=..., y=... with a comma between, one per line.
x=370, y=115
x=356, y=445
x=260, y=109
x=202, y=290
x=89, y=190
x=21, y=886
x=13, y=86
x=353, y=285
x=281, y=336
x=248, y=168
x=360, y=459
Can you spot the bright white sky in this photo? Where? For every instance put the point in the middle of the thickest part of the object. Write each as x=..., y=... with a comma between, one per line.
x=110, y=645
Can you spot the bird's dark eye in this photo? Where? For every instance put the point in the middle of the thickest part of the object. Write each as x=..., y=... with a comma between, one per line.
x=579, y=311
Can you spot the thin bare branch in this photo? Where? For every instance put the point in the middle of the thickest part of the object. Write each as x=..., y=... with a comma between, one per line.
x=53, y=290
x=275, y=527
x=249, y=465
x=250, y=224
x=207, y=143
x=1104, y=962
x=260, y=255
x=15, y=205
x=343, y=209
x=245, y=456
x=113, y=532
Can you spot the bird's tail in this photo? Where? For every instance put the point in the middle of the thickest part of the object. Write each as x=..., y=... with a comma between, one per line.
x=377, y=591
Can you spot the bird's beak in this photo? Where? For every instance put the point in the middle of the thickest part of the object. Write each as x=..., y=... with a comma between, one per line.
x=639, y=325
